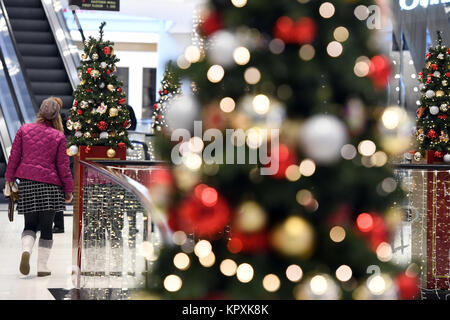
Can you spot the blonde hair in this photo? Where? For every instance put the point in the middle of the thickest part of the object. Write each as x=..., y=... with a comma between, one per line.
x=57, y=122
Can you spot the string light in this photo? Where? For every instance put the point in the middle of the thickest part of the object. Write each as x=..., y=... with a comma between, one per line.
x=173, y=283
x=337, y=234
x=245, y=273
x=202, y=248
x=228, y=267
x=294, y=273
x=271, y=282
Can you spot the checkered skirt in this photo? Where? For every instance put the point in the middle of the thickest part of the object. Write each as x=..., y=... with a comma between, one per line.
x=37, y=196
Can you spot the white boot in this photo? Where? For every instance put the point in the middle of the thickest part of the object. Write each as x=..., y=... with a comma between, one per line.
x=28, y=239
x=44, y=249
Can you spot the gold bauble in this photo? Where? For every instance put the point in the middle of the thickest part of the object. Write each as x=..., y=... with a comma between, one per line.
x=294, y=237
x=113, y=112
x=82, y=82
x=84, y=56
x=440, y=93
x=110, y=87
x=111, y=153
x=250, y=217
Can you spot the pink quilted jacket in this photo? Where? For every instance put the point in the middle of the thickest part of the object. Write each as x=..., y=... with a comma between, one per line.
x=39, y=153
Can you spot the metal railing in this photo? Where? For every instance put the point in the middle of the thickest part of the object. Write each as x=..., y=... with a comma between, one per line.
x=120, y=231
x=424, y=236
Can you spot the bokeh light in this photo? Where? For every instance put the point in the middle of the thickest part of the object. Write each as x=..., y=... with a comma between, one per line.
x=337, y=234
x=364, y=222
x=181, y=261
x=344, y=273
x=172, y=283
x=228, y=267
x=252, y=75
x=326, y=10
x=245, y=273
x=215, y=73
x=227, y=104
x=294, y=273
x=271, y=282
x=202, y=248
x=241, y=55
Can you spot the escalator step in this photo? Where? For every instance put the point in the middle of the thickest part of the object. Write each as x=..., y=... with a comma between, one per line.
x=51, y=88
x=46, y=50
x=33, y=62
x=29, y=25
x=34, y=37
x=25, y=13
x=52, y=75
x=23, y=3
x=67, y=100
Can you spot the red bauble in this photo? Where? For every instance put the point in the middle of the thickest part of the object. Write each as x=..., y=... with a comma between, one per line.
x=434, y=66
x=191, y=215
x=212, y=23
x=75, y=103
x=442, y=116
x=448, y=51
x=285, y=158
x=87, y=149
x=119, y=89
x=420, y=75
x=408, y=287
x=108, y=72
x=122, y=101
x=125, y=124
x=373, y=229
x=159, y=116
x=438, y=154
x=107, y=50
x=102, y=125
x=420, y=112
x=305, y=30
x=121, y=144
x=432, y=134
x=155, y=106
x=447, y=74
x=248, y=242
x=80, y=112
x=89, y=70
x=165, y=91
x=428, y=55
x=380, y=71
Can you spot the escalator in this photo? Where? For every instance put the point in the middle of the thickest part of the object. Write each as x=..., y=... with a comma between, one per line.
x=38, y=51
x=34, y=64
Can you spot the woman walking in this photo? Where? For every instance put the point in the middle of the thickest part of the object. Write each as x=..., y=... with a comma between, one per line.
x=39, y=160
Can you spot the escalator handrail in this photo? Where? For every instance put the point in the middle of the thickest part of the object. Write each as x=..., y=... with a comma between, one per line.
x=145, y=199
x=63, y=44
x=19, y=56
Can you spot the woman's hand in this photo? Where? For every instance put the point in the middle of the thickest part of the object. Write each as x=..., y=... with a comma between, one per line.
x=68, y=197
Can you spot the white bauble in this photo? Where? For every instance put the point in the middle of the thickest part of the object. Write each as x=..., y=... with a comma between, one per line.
x=181, y=112
x=103, y=64
x=417, y=156
x=73, y=150
x=322, y=137
x=408, y=156
x=434, y=110
x=221, y=48
x=447, y=158
x=422, y=86
x=440, y=56
x=430, y=94
x=437, y=74
x=104, y=135
x=78, y=134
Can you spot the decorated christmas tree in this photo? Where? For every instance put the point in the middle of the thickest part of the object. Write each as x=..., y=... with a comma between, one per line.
x=98, y=116
x=170, y=89
x=316, y=227
x=432, y=114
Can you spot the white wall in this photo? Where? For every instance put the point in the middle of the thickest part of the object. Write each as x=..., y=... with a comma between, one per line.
x=136, y=61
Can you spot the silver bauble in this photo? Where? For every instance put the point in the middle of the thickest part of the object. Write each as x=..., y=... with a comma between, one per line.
x=434, y=110
x=447, y=158
x=417, y=156
x=322, y=137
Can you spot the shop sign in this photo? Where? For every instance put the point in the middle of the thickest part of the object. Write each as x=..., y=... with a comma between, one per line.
x=107, y=5
x=413, y=4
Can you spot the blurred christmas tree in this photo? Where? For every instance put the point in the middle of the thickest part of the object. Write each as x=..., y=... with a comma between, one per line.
x=98, y=115
x=170, y=88
x=311, y=230
x=432, y=114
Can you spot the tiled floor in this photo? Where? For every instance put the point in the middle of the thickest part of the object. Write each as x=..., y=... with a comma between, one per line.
x=13, y=285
